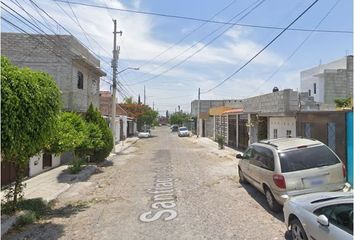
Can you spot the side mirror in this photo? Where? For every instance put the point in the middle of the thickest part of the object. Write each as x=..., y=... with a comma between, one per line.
x=239, y=156
x=323, y=220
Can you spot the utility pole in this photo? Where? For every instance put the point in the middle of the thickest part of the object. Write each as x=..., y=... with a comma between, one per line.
x=198, y=112
x=114, y=87
x=153, y=105
x=144, y=95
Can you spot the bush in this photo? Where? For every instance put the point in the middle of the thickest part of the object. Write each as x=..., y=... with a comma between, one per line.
x=76, y=166
x=104, y=145
x=36, y=205
x=27, y=217
x=220, y=141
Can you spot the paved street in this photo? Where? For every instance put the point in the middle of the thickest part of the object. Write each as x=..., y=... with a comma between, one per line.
x=163, y=187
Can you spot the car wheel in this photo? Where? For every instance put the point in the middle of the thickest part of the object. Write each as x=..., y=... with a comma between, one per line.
x=241, y=176
x=272, y=203
x=297, y=230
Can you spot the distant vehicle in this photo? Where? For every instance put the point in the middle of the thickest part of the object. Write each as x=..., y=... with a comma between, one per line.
x=174, y=128
x=183, y=132
x=144, y=134
x=285, y=167
x=325, y=215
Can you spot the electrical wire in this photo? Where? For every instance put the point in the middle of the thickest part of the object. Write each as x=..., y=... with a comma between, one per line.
x=298, y=47
x=264, y=48
x=203, y=20
x=207, y=43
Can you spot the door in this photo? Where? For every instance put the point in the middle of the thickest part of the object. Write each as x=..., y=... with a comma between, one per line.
x=232, y=132
x=47, y=160
x=340, y=217
x=242, y=133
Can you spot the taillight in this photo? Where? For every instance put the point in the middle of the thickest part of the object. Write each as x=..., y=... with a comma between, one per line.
x=279, y=180
x=344, y=171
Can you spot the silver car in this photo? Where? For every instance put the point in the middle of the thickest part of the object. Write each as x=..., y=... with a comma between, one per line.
x=285, y=167
x=327, y=215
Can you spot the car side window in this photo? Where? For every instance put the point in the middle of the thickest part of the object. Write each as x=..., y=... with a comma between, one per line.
x=249, y=154
x=340, y=215
x=264, y=158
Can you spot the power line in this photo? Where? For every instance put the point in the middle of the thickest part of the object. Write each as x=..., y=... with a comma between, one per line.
x=204, y=20
x=298, y=47
x=187, y=35
x=259, y=52
x=208, y=43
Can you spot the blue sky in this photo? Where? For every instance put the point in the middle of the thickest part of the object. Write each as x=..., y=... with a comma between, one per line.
x=145, y=36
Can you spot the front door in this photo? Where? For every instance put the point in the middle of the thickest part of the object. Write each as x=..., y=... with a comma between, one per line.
x=47, y=160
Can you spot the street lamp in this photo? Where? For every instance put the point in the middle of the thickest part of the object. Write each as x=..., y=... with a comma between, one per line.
x=131, y=68
x=113, y=119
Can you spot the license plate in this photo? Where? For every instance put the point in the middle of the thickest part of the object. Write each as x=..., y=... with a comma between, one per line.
x=317, y=181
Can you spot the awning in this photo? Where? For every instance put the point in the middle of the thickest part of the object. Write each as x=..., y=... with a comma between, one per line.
x=218, y=110
x=233, y=111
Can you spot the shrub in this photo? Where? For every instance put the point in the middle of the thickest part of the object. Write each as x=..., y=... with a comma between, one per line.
x=27, y=217
x=104, y=146
x=76, y=166
x=220, y=141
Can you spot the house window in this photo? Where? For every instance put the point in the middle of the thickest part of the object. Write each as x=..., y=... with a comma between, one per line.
x=80, y=80
x=309, y=92
x=314, y=88
x=288, y=133
x=275, y=133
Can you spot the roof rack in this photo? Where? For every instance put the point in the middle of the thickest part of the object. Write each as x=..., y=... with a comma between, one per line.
x=269, y=143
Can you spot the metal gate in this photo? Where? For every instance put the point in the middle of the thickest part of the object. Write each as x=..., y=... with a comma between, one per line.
x=242, y=132
x=232, y=131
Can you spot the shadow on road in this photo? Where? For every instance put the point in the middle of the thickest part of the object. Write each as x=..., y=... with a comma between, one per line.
x=260, y=198
x=36, y=231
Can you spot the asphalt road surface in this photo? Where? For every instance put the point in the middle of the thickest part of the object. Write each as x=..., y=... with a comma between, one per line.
x=164, y=187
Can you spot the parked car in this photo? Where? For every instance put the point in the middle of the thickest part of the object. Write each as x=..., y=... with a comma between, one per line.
x=285, y=167
x=144, y=134
x=325, y=215
x=174, y=128
x=183, y=132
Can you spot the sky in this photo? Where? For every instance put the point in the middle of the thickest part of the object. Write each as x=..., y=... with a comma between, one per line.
x=177, y=56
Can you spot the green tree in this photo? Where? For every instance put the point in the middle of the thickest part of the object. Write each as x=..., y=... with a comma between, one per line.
x=70, y=134
x=148, y=117
x=30, y=102
x=103, y=144
x=343, y=102
x=179, y=118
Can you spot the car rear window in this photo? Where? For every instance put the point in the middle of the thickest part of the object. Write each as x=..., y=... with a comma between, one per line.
x=183, y=129
x=306, y=158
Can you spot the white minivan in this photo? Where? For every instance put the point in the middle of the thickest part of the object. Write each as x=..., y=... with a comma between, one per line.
x=286, y=167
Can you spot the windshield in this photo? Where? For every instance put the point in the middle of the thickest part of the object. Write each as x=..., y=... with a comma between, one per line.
x=306, y=158
x=183, y=129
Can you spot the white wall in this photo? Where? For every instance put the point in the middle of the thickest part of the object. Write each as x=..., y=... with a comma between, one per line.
x=282, y=124
x=55, y=160
x=313, y=75
x=35, y=165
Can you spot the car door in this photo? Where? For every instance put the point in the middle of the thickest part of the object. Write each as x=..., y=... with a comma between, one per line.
x=264, y=169
x=244, y=163
x=340, y=226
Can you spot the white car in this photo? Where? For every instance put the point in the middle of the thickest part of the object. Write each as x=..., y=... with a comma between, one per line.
x=145, y=134
x=321, y=216
x=183, y=132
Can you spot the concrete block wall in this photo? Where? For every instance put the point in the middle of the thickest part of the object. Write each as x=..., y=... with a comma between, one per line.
x=54, y=55
x=335, y=85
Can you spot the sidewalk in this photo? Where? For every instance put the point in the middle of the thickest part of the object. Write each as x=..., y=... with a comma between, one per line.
x=50, y=184
x=213, y=147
